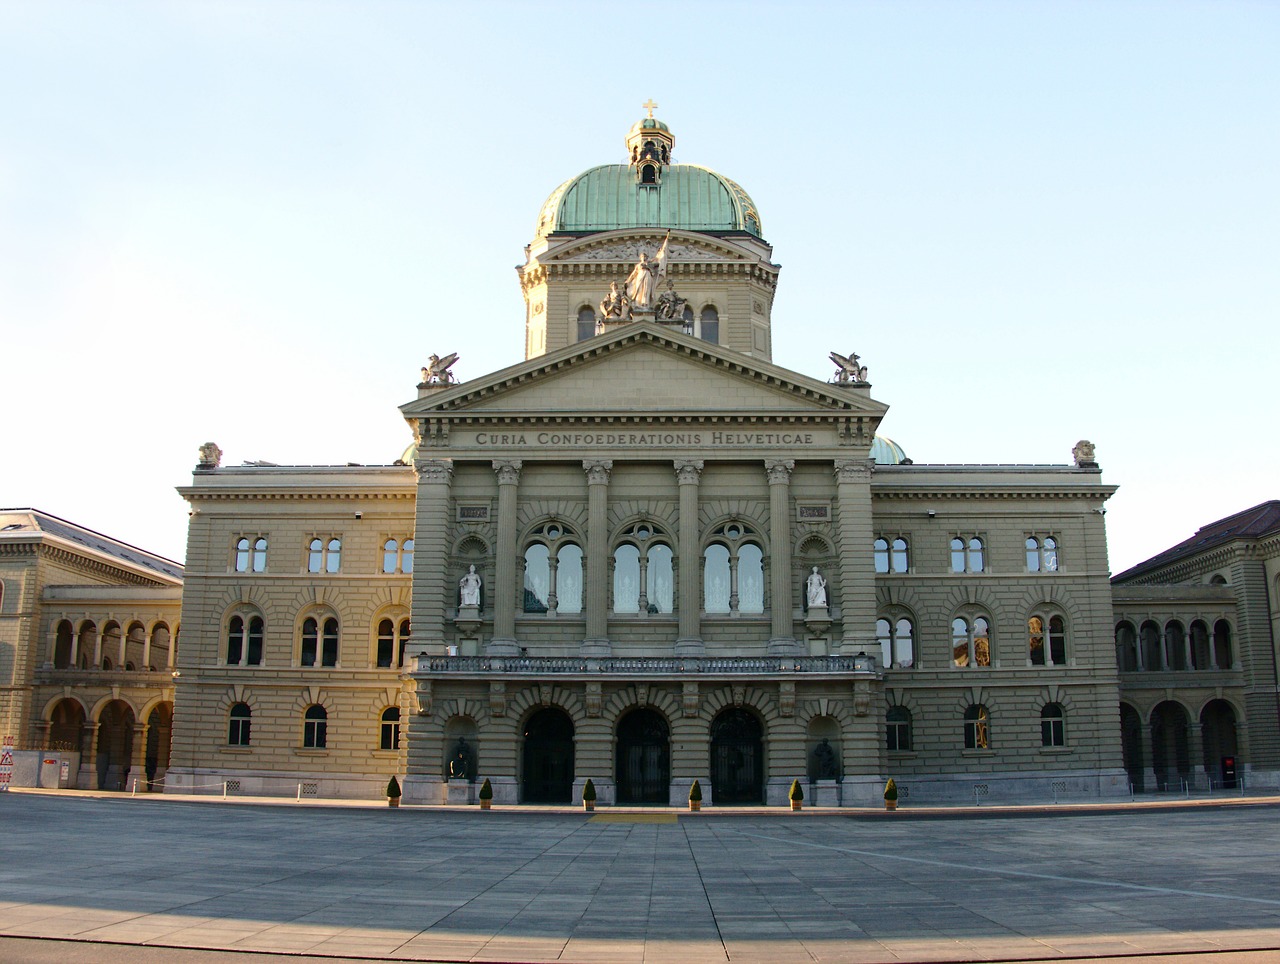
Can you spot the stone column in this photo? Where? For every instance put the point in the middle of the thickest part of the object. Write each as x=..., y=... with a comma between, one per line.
x=146, y=648
x=88, y=778
x=689, y=561
x=138, y=757
x=53, y=644
x=431, y=536
x=597, y=572
x=782, y=640
x=124, y=642
x=855, y=533
x=504, y=594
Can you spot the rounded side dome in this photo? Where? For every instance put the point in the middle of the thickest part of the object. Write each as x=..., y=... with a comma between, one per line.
x=885, y=451
x=609, y=197
x=648, y=124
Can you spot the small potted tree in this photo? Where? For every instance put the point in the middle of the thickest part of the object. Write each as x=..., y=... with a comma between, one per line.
x=393, y=792
x=588, y=795
x=796, y=795
x=486, y=794
x=695, y=796
x=891, y=795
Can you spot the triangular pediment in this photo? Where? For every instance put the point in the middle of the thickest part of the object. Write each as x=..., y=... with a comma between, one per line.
x=644, y=370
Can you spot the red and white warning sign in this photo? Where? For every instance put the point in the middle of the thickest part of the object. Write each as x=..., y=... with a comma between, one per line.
x=6, y=763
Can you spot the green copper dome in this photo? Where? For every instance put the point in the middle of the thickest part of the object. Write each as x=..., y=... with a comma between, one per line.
x=609, y=197
x=885, y=451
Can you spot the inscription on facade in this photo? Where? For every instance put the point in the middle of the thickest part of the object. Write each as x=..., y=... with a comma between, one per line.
x=641, y=439
x=473, y=513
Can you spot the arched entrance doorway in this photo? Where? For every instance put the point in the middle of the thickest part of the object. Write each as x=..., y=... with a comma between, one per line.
x=1218, y=728
x=548, y=758
x=1169, y=755
x=115, y=745
x=737, y=758
x=66, y=726
x=1131, y=744
x=644, y=752
x=159, y=735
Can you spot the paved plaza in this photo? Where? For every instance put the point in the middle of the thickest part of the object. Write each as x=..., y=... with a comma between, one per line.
x=526, y=885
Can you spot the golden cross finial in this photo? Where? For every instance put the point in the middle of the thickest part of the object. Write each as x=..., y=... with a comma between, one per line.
x=649, y=105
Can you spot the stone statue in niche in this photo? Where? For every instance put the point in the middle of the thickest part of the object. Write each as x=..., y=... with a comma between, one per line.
x=815, y=588
x=469, y=588
x=825, y=766
x=615, y=306
x=462, y=763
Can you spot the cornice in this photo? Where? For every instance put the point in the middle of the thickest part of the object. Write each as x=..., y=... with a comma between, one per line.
x=202, y=494
x=988, y=494
x=114, y=573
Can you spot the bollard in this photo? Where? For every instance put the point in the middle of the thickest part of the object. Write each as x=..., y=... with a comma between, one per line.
x=224, y=789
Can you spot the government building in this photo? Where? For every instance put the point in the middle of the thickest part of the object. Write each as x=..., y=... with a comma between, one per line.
x=645, y=555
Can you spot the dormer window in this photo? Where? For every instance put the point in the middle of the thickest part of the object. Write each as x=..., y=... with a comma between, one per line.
x=648, y=174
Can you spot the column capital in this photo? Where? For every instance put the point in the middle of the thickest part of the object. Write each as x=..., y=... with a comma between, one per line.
x=852, y=470
x=597, y=470
x=507, y=470
x=779, y=470
x=434, y=470
x=688, y=471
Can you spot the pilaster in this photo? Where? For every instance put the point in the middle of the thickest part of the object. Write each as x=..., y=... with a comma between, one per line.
x=431, y=531
x=688, y=559
x=857, y=571
x=597, y=574
x=782, y=640
x=504, y=596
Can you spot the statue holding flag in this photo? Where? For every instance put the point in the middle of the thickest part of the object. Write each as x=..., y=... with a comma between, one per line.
x=644, y=277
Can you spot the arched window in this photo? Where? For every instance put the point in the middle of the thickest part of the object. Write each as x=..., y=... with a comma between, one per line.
x=1042, y=554
x=1152, y=651
x=389, y=731
x=1126, y=647
x=970, y=641
x=977, y=729
x=1175, y=646
x=709, y=325
x=896, y=642
x=1047, y=641
x=1222, y=655
x=586, y=322
x=648, y=174
x=244, y=640
x=1052, y=725
x=319, y=640
x=62, y=646
x=315, y=728
x=891, y=555
x=897, y=727
x=238, y=725
x=553, y=571
x=397, y=556
x=967, y=554
x=686, y=320
x=251, y=554
x=392, y=637
x=1201, y=656
x=324, y=556
x=642, y=571
x=733, y=571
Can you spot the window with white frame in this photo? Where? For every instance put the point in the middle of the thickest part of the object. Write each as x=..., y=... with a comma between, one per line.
x=970, y=641
x=967, y=554
x=244, y=640
x=1053, y=725
x=238, y=723
x=1042, y=554
x=897, y=729
x=643, y=578
x=397, y=556
x=977, y=728
x=1047, y=640
x=324, y=555
x=315, y=728
x=891, y=554
x=733, y=571
x=897, y=637
x=251, y=554
x=553, y=570
x=389, y=729
x=319, y=641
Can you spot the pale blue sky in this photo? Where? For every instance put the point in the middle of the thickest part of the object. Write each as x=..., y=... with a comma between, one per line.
x=250, y=223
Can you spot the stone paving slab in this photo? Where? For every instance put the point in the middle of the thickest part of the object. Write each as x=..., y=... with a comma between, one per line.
x=454, y=884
